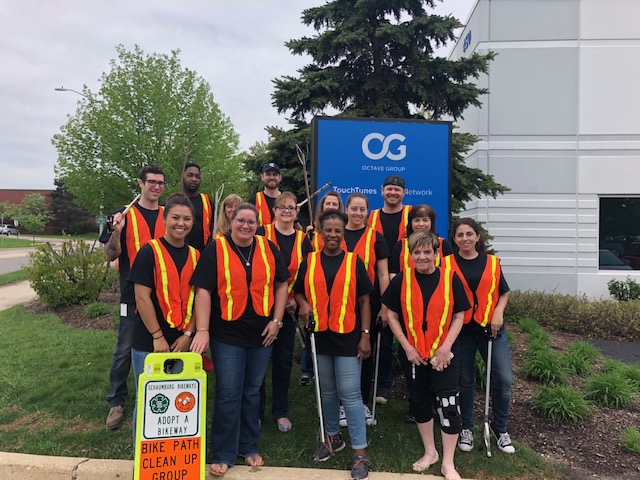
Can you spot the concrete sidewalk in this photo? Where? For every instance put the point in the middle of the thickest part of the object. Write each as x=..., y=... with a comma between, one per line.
x=18, y=466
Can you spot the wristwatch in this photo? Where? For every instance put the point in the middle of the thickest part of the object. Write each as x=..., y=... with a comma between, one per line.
x=187, y=333
x=367, y=331
x=278, y=322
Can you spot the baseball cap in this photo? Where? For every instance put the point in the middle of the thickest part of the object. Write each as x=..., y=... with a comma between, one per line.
x=394, y=180
x=271, y=166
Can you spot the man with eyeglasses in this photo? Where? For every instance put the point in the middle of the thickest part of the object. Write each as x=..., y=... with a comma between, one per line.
x=141, y=223
x=265, y=201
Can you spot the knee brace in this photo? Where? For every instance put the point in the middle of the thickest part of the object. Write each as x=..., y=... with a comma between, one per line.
x=448, y=407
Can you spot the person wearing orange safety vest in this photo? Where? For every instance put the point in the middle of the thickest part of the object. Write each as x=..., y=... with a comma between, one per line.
x=426, y=306
x=333, y=288
x=130, y=232
x=241, y=295
x=294, y=247
x=201, y=232
x=264, y=201
x=161, y=275
x=371, y=248
x=422, y=218
x=488, y=293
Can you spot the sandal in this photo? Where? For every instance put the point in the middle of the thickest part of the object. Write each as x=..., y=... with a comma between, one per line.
x=254, y=460
x=218, y=469
x=284, y=424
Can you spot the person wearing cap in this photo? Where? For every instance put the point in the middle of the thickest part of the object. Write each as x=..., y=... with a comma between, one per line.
x=391, y=221
x=265, y=201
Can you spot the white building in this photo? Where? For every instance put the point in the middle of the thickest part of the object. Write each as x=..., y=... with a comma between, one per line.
x=561, y=128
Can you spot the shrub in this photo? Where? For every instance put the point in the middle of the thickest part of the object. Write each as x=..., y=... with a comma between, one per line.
x=70, y=273
x=610, y=388
x=631, y=440
x=562, y=403
x=579, y=314
x=624, y=290
x=543, y=365
x=96, y=309
x=481, y=372
x=529, y=325
x=579, y=356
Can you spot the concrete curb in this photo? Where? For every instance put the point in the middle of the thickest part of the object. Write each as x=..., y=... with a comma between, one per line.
x=19, y=466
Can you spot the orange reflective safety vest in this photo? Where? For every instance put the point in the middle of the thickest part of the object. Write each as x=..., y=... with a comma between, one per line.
x=485, y=298
x=232, y=279
x=405, y=257
x=264, y=214
x=317, y=243
x=138, y=232
x=296, y=255
x=335, y=311
x=175, y=294
x=366, y=250
x=438, y=312
x=206, y=217
x=375, y=223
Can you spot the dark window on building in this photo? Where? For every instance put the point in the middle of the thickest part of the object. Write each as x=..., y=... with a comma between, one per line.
x=619, y=234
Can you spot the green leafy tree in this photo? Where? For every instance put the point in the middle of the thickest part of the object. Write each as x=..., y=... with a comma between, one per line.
x=149, y=109
x=72, y=217
x=5, y=208
x=33, y=213
x=376, y=58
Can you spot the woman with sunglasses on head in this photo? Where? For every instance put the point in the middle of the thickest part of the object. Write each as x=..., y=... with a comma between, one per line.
x=331, y=201
x=227, y=207
x=333, y=289
x=241, y=294
x=294, y=247
x=426, y=305
x=488, y=293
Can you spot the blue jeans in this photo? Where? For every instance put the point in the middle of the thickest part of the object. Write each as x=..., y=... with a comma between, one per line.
x=281, y=364
x=121, y=361
x=501, y=377
x=137, y=360
x=340, y=382
x=239, y=375
x=306, y=363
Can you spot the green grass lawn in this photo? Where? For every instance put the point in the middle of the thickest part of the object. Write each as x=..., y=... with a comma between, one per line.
x=54, y=378
x=15, y=242
x=13, y=277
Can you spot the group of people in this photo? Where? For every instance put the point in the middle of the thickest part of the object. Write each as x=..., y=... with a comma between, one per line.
x=238, y=289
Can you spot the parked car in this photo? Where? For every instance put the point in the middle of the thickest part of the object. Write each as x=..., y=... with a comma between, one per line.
x=607, y=260
x=632, y=255
x=9, y=230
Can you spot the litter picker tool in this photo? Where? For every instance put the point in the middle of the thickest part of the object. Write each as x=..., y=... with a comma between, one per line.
x=375, y=378
x=303, y=160
x=216, y=200
x=486, y=433
x=128, y=207
x=314, y=357
x=314, y=194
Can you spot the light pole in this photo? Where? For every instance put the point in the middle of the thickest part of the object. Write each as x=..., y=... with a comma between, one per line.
x=62, y=89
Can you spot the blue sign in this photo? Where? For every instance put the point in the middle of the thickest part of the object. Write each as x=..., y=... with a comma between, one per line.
x=356, y=155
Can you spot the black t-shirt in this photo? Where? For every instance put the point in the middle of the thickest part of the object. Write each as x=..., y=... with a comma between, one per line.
x=143, y=273
x=246, y=331
x=395, y=262
x=271, y=202
x=328, y=342
x=428, y=284
x=390, y=223
x=352, y=237
x=472, y=272
x=196, y=235
x=126, y=288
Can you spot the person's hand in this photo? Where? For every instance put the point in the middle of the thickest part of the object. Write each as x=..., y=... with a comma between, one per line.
x=383, y=317
x=160, y=344
x=413, y=355
x=497, y=321
x=270, y=333
x=304, y=312
x=200, y=341
x=181, y=344
x=291, y=307
x=441, y=358
x=118, y=222
x=364, y=348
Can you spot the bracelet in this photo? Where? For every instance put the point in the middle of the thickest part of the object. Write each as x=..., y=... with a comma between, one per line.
x=278, y=322
x=202, y=329
x=157, y=338
x=153, y=333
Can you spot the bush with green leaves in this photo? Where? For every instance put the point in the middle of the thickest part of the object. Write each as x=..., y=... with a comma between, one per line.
x=609, y=388
x=73, y=272
x=631, y=439
x=543, y=365
x=624, y=290
x=528, y=325
x=579, y=357
x=96, y=309
x=562, y=403
x=481, y=372
x=605, y=319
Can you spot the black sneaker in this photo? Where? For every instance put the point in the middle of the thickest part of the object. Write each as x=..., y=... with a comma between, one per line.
x=409, y=418
x=504, y=441
x=332, y=445
x=360, y=467
x=305, y=379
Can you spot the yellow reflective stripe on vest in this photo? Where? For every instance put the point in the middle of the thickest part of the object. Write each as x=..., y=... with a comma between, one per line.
x=192, y=293
x=445, y=311
x=262, y=243
x=409, y=304
x=494, y=282
x=405, y=254
x=313, y=262
x=165, y=281
x=375, y=216
x=367, y=248
x=259, y=207
x=227, y=276
x=298, y=246
x=345, y=291
x=136, y=233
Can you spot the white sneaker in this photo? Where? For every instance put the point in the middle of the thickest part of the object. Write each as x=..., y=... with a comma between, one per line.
x=368, y=418
x=343, y=417
x=504, y=442
x=465, y=442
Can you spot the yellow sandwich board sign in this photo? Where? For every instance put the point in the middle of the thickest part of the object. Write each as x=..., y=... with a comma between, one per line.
x=171, y=418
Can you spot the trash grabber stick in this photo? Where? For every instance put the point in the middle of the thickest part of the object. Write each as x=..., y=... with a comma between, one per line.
x=128, y=207
x=303, y=161
x=486, y=433
x=324, y=187
x=375, y=378
x=314, y=357
x=216, y=200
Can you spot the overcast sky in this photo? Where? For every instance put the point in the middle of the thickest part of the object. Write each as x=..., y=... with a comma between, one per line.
x=237, y=46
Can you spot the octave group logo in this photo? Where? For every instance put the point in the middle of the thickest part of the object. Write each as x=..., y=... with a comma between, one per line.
x=385, y=150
